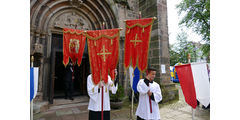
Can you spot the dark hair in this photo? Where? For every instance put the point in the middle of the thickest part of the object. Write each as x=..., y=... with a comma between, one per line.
x=151, y=69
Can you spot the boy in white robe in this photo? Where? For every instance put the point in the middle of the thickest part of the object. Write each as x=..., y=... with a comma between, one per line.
x=148, y=89
x=95, y=102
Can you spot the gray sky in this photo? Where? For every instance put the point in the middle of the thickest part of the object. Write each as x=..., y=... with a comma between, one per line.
x=173, y=20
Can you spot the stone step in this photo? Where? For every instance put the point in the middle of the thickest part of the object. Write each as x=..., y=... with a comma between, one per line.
x=39, y=107
x=62, y=101
x=59, y=103
x=65, y=103
x=65, y=106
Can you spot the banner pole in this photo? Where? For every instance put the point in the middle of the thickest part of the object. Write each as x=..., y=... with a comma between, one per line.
x=132, y=103
x=31, y=104
x=192, y=114
x=31, y=108
x=103, y=25
x=189, y=61
x=102, y=102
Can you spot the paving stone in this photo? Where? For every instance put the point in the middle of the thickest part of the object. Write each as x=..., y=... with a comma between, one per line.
x=81, y=117
x=76, y=110
x=63, y=112
x=68, y=117
x=40, y=119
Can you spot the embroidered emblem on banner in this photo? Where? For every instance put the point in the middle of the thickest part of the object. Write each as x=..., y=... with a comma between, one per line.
x=135, y=41
x=104, y=53
x=74, y=46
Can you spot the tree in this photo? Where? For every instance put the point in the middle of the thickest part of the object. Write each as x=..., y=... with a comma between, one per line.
x=180, y=50
x=197, y=17
x=174, y=56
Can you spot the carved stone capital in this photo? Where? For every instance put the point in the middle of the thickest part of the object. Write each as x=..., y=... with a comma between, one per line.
x=38, y=48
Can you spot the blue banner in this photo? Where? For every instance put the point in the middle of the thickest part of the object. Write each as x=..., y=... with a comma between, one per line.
x=136, y=79
x=31, y=84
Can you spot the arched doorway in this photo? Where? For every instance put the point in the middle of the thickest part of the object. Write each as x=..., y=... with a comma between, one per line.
x=48, y=18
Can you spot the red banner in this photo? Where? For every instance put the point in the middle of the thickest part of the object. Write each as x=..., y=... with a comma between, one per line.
x=187, y=84
x=73, y=45
x=103, y=49
x=137, y=37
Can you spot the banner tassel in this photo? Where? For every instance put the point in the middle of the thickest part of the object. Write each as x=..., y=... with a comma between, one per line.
x=128, y=31
x=140, y=75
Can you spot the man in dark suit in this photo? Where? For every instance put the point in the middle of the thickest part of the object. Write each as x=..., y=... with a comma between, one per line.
x=68, y=81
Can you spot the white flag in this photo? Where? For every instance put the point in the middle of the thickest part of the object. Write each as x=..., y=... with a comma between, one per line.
x=201, y=82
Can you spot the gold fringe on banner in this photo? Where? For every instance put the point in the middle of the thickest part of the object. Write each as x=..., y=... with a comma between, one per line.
x=103, y=35
x=75, y=32
x=139, y=25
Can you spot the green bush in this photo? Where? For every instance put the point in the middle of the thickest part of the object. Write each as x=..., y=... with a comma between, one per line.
x=118, y=97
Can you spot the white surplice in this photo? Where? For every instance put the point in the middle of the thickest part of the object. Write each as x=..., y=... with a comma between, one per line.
x=143, y=109
x=95, y=102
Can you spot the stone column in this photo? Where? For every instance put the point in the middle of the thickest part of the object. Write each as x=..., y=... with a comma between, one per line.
x=41, y=42
x=159, y=45
x=32, y=34
x=46, y=66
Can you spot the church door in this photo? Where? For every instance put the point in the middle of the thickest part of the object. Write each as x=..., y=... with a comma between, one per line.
x=58, y=71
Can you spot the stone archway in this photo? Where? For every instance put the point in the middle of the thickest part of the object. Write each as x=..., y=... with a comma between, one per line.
x=49, y=17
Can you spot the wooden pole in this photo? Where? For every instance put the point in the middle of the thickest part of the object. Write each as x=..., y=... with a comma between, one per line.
x=132, y=104
x=132, y=97
x=102, y=86
x=102, y=102
x=189, y=61
x=189, y=58
x=192, y=114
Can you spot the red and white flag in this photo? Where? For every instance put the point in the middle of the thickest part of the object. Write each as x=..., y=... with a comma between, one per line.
x=195, y=83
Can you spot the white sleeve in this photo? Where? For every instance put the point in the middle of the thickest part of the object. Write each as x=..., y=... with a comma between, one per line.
x=142, y=87
x=92, y=89
x=111, y=85
x=155, y=89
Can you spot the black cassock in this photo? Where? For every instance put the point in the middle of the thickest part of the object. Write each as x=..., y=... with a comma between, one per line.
x=97, y=115
x=68, y=82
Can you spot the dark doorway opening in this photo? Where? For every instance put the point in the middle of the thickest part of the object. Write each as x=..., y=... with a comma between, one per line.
x=80, y=72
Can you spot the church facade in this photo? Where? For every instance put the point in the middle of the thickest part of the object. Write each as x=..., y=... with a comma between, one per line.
x=48, y=17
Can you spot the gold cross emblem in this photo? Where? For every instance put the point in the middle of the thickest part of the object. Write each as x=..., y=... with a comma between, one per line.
x=136, y=40
x=104, y=53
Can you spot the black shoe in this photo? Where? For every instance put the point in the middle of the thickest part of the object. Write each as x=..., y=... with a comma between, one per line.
x=71, y=98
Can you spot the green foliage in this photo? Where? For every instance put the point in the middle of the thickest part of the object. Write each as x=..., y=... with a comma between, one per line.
x=197, y=16
x=118, y=96
x=173, y=56
x=206, y=48
x=180, y=50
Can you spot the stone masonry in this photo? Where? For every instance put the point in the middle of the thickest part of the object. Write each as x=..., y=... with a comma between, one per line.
x=159, y=45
